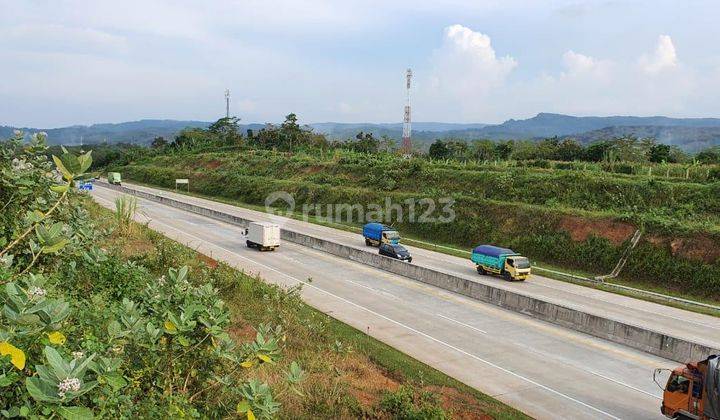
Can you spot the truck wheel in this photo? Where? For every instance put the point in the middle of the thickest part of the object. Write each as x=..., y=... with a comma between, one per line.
x=367, y=242
x=250, y=244
x=507, y=277
x=480, y=270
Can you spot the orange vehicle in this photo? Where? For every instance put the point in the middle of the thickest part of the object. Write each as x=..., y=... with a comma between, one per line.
x=692, y=391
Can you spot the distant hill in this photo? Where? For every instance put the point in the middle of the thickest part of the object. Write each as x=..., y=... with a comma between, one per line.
x=142, y=132
x=691, y=134
x=690, y=139
x=548, y=125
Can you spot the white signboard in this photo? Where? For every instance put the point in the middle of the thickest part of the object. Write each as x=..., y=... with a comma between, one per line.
x=182, y=181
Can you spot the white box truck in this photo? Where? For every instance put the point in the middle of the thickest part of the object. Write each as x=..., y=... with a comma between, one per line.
x=264, y=236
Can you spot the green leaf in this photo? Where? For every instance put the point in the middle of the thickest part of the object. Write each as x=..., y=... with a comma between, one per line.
x=114, y=329
x=60, y=188
x=85, y=161
x=71, y=162
x=58, y=365
x=54, y=248
x=75, y=413
x=8, y=379
x=115, y=380
x=243, y=407
x=39, y=390
x=183, y=341
x=61, y=167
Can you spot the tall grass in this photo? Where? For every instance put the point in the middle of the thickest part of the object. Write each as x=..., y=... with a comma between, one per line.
x=125, y=209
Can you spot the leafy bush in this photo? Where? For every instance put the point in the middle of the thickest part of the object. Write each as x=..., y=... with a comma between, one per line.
x=150, y=347
x=406, y=404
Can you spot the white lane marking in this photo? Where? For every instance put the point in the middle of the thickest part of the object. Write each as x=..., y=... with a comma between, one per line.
x=623, y=384
x=450, y=346
x=462, y=323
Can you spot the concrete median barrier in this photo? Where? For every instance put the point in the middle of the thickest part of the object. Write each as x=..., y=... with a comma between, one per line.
x=653, y=342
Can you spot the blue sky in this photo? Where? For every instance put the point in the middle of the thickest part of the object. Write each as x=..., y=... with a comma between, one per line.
x=78, y=62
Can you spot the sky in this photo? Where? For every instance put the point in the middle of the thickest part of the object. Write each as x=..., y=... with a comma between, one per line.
x=66, y=62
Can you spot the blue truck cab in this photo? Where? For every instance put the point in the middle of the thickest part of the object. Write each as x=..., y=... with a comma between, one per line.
x=377, y=233
x=506, y=262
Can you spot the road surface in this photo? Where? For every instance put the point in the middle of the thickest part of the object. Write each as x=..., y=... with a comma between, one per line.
x=699, y=328
x=542, y=369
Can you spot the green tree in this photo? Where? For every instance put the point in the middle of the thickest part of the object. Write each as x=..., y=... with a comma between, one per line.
x=569, y=150
x=365, y=143
x=659, y=153
x=290, y=131
x=159, y=142
x=227, y=129
x=709, y=156
x=438, y=150
x=483, y=149
x=458, y=149
x=596, y=151
x=504, y=149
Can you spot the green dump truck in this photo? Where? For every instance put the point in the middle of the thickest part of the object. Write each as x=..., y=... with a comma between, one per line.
x=113, y=178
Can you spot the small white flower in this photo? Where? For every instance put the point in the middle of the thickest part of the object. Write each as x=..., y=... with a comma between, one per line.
x=78, y=355
x=36, y=292
x=161, y=281
x=68, y=384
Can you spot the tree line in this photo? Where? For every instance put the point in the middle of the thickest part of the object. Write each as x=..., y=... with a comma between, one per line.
x=291, y=136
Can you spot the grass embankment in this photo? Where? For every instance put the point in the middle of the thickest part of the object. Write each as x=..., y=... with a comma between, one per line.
x=563, y=218
x=349, y=374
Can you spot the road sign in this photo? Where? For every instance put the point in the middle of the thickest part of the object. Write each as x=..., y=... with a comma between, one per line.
x=182, y=181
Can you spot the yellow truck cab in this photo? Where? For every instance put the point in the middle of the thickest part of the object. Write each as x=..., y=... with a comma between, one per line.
x=503, y=261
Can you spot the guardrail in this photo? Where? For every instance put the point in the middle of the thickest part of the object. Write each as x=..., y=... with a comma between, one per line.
x=641, y=338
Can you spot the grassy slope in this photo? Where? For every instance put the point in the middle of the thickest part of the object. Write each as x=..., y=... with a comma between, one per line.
x=536, y=230
x=349, y=373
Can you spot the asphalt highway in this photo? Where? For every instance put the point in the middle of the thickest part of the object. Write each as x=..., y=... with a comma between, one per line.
x=544, y=370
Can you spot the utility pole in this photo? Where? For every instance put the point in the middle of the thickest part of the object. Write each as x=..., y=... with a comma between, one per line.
x=227, y=103
x=406, y=143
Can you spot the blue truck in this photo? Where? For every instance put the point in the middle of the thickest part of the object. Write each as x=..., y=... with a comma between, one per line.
x=377, y=233
x=506, y=262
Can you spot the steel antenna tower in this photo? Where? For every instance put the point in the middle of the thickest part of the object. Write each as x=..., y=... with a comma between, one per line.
x=227, y=103
x=406, y=143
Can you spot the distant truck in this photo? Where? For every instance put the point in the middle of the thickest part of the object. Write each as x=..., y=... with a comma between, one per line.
x=264, y=236
x=114, y=178
x=377, y=233
x=692, y=391
x=503, y=261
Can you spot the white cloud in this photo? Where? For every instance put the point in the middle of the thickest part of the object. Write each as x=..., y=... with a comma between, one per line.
x=467, y=62
x=465, y=69
x=578, y=63
x=664, y=57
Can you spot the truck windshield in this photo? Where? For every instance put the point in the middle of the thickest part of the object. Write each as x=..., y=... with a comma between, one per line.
x=391, y=234
x=521, y=262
